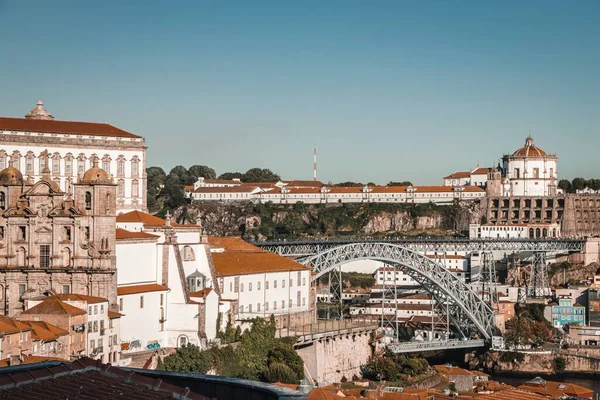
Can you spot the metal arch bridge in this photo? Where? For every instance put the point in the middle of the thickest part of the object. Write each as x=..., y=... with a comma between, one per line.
x=464, y=307
x=306, y=248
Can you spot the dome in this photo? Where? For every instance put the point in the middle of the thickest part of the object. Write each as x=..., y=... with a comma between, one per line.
x=39, y=112
x=96, y=175
x=11, y=176
x=529, y=150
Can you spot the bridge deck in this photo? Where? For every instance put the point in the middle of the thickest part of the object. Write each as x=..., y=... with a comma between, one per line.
x=415, y=347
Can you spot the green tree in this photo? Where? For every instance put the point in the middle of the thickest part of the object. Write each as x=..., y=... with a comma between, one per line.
x=559, y=364
x=173, y=193
x=577, y=184
x=196, y=171
x=231, y=175
x=155, y=179
x=565, y=185
x=402, y=183
x=260, y=175
x=181, y=172
x=188, y=358
x=349, y=184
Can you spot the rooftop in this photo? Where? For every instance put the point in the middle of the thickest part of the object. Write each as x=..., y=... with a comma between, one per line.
x=53, y=305
x=123, y=234
x=145, y=288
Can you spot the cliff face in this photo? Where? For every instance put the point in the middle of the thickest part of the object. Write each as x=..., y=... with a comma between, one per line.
x=267, y=221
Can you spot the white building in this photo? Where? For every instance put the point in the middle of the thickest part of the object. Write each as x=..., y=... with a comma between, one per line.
x=514, y=231
x=68, y=149
x=477, y=177
x=529, y=171
x=163, y=271
x=261, y=284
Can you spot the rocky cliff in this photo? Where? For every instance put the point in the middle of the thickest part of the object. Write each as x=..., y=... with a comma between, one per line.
x=268, y=221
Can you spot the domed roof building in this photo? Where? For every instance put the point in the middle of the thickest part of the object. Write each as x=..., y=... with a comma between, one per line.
x=96, y=176
x=11, y=176
x=39, y=112
x=529, y=171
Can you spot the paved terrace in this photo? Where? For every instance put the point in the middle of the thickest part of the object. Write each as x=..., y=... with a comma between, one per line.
x=304, y=248
x=327, y=329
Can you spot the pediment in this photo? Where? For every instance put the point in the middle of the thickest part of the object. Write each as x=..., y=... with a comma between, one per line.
x=41, y=188
x=64, y=212
x=43, y=229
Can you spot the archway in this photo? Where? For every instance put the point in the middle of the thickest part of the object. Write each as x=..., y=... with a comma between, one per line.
x=466, y=308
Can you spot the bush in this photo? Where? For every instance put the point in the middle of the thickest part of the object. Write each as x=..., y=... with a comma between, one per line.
x=344, y=379
x=559, y=364
x=355, y=378
x=512, y=357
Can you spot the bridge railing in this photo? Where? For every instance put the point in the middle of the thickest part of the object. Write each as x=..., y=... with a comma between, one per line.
x=407, y=347
x=323, y=328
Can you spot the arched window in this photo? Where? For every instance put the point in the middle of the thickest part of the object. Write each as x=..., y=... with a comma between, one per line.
x=2, y=201
x=88, y=200
x=188, y=254
x=182, y=341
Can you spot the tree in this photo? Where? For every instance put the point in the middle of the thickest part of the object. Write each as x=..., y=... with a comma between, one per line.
x=349, y=184
x=565, y=185
x=559, y=364
x=188, y=358
x=260, y=175
x=403, y=183
x=173, y=193
x=196, y=171
x=577, y=184
x=181, y=172
x=155, y=179
x=231, y=175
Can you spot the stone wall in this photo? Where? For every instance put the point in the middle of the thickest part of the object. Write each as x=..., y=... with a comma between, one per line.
x=542, y=364
x=329, y=360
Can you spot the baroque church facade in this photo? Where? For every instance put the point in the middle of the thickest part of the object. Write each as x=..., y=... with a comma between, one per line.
x=56, y=242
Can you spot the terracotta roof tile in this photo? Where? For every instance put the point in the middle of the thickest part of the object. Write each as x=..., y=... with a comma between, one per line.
x=244, y=263
x=29, y=360
x=459, y=175
x=80, y=297
x=113, y=315
x=481, y=171
x=52, y=305
x=232, y=244
x=201, y=293
x=123, y=234
x=66, y=127
x=10, y=325
x=148, y=220
x=146, y=288
x=45, y=331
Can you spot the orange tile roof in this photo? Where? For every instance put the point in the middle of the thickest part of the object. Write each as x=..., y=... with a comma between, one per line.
x=80, y=297
x=44, y=331
x=511, y=394
x=558, y=389
x=201, y=293
x=232, y=244
x=135, y=289
x=388, y=189
x=233, y=189
x=481, y=171
x=113, y=315
x=439, y=189
x=443, y=369
x=9, y=325
x=66, y=127
x=123, y=234
x=52, y=305
x=232, y=263
x=343, y=189
x=458, y=175
x=31, y=360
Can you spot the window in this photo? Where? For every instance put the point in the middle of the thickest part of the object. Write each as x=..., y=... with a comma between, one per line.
x=135, y=168
x=106, y=166
x=250, y=308
x=68, y=167
x=298, y=296
x=88, y=200
x=121, y=304
x=257, y=307
x=56, y=166
x=275, y=284
x=242, y=287
x=141, y=301
x=95, y=310
x=92, y=345
x=274, y=305
x=2, y=201
x=121, y=167
x=304, y=301
x=29, y=166
x=95, y=326
x=87, y=233
x=517, y=173
x=22, y=289
x=90, y=310
x=536, y=173
x=266, y=306
x=102, y=327
x=135, y=189
x=258, y=285
x=282, y=303
x=299, y=277
x=42, y=163
x=45, y=256
x=250, y=287
x=22, y=233
x=80, y=167
x=290, y=303
x=283, y=283
x=303, y=281
x=266, y=284
x=101, y=308
x=68, y=233
x=66, y=289
x=291, y=283
x=121, y=188
x=183, y=340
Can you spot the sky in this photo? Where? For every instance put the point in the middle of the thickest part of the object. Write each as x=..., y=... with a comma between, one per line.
x=386, y=90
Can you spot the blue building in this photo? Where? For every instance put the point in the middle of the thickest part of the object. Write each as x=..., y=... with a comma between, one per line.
x=565, y=312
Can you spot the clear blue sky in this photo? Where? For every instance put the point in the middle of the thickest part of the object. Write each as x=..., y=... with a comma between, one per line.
x=398, y=90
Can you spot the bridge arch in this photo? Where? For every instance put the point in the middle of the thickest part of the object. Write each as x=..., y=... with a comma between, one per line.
x=466, y=307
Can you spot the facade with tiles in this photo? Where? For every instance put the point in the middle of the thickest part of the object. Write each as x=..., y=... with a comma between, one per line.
x=69, y=149
x=51, y=241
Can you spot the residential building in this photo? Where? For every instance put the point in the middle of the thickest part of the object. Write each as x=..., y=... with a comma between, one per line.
x=584, y=335
x=68, y=149
x=101, y=327
x=477, y=177
x=56, y=241
x=15, y=338
x=564, y=312
x=261, y=284
x=557, y=390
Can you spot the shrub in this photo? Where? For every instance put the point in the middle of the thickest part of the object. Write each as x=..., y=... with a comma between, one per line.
x=559, y=364
x=344, y=379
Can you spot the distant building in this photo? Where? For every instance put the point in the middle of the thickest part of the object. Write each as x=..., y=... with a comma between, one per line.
x=514, y=231
x=477, y=177
x=565, y=312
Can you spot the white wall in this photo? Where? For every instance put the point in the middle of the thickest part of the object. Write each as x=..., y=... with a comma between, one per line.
x=136, y=263
x=142, y=324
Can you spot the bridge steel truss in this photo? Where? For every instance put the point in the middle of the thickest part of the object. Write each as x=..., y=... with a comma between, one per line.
x=306, y=248
x=466, y=310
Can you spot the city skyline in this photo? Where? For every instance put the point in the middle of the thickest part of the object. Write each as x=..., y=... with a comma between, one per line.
x=392, y=91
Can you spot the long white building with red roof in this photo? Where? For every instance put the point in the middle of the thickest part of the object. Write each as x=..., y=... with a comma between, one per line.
x=69, y=148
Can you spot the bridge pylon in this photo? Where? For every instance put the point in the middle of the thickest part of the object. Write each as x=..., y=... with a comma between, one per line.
x=538, y=286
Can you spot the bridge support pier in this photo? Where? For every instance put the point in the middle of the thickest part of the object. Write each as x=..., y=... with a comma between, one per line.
x=538, y=278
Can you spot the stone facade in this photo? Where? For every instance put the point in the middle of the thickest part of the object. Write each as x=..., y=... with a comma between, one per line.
x=55, y=241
